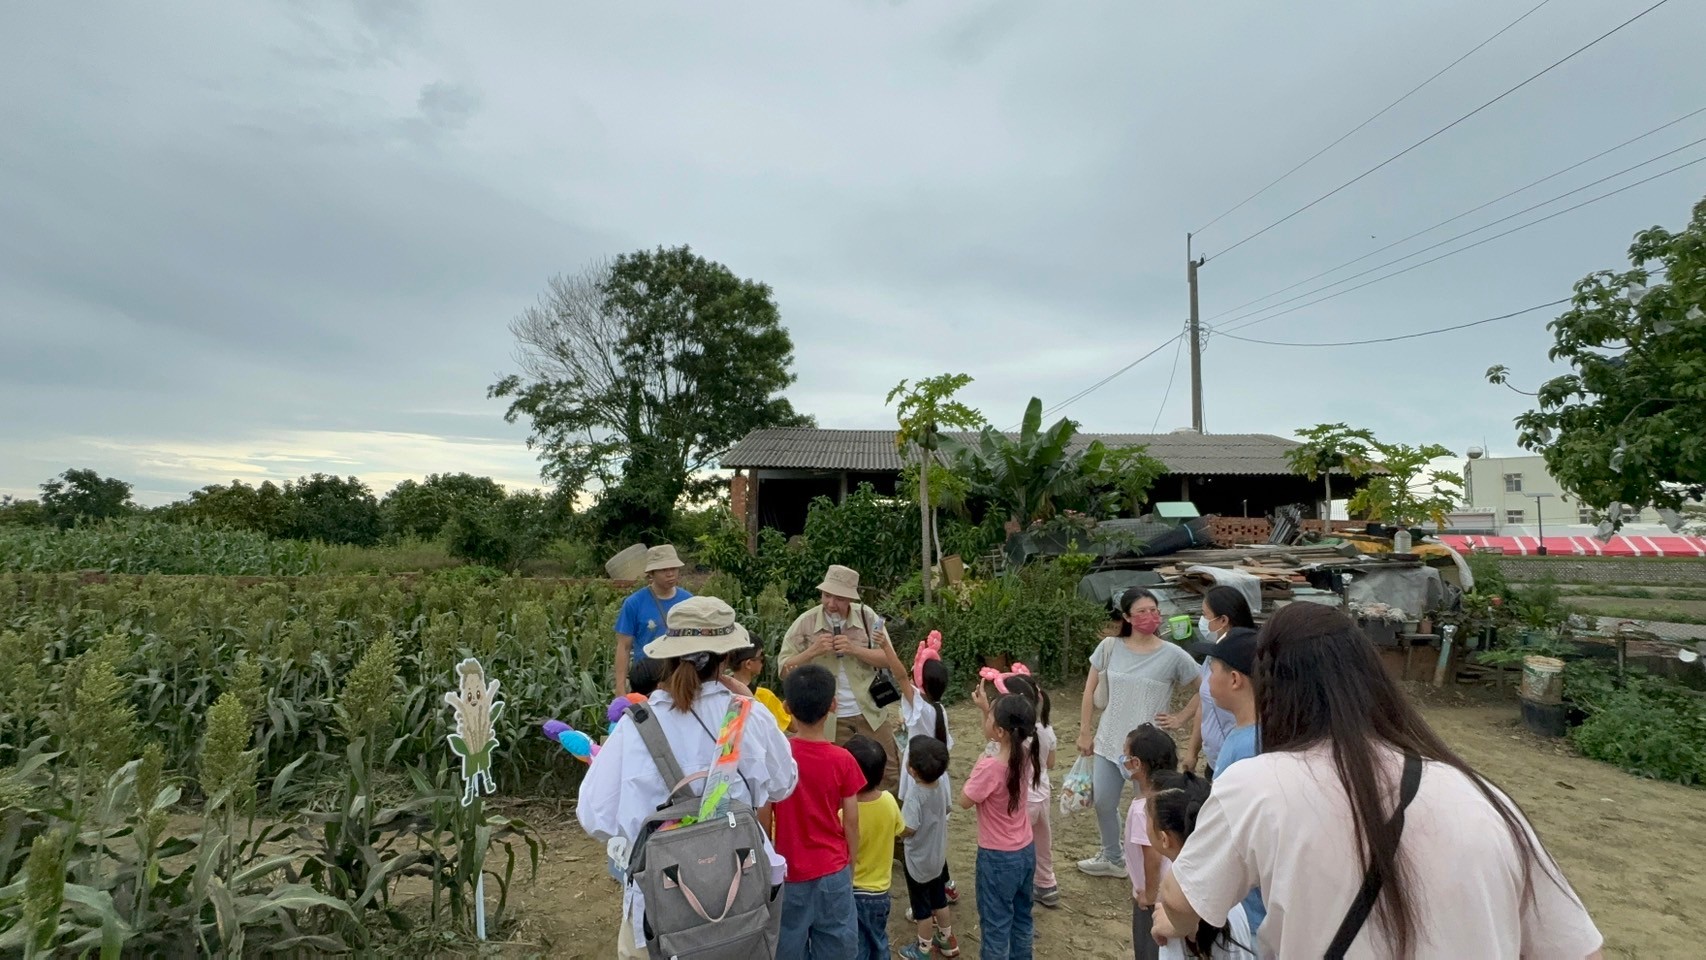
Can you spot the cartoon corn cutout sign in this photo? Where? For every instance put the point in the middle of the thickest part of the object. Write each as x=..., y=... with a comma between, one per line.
x=477, y=710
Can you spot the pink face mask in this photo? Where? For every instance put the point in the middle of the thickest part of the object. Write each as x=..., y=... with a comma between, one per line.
x=1146, y=621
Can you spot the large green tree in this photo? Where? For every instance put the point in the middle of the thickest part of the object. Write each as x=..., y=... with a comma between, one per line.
x=638, y=373
x=81, y=495
x=262, y=508
x=332, y=509
x=1627, y=424
x=921, y=412
x=421, y=509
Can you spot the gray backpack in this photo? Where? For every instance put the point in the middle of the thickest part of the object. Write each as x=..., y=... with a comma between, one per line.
x=707, y=886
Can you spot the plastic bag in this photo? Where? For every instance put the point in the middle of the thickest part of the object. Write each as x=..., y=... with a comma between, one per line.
x=1075, y=791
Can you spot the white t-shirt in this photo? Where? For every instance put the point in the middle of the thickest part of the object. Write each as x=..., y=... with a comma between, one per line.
x=919, y=717
x=1233, y=944
x=846, y=701
x=1282, y=822
x=1046, y=741
x=1140, y=685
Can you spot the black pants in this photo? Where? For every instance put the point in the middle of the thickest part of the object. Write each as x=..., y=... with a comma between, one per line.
x=1143, y=945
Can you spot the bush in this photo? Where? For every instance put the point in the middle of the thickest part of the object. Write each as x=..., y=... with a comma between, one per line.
x=872, y=534
x=1036, y=617
x=1649, y=728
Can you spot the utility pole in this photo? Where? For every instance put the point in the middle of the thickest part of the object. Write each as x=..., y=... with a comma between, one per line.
x=1196, y=339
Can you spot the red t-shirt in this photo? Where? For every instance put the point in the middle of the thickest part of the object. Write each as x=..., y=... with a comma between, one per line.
x=808, y=823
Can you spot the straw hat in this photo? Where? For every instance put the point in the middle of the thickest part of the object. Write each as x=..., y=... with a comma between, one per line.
x=662, y=558
x=699, y=625
x=840, y=581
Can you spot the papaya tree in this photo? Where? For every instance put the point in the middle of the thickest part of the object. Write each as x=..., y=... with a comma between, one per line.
x=1327, y=448
x=922, y=411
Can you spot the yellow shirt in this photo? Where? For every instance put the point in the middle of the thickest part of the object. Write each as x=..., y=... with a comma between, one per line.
x=774, y=704
x=880, y=825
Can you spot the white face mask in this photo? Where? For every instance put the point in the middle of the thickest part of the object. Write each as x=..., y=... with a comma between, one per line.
x=1203, y=629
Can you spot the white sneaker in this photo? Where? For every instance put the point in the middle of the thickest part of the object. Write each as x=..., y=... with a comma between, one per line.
x=1100, y=866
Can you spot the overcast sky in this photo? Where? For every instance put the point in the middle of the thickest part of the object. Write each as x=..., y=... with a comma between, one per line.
x=260, y=240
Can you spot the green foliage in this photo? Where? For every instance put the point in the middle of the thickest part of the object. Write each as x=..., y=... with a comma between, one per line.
x=1036, y=617
x=150, y=546
x=188, y=641
x=1327, y=448
x=1023, y=477
x=507, y=533
x=1406, y=493
x=1116, y=480
x=82, y=496
x=640, y=372
x=1649, y=727
x=872, y=534
x=330, y=509
x=421, y=510
x=264, y=509
x=404, y=555
x=20, y=513
x=1623, y=426
x=1489, y=575
x=1037, y=474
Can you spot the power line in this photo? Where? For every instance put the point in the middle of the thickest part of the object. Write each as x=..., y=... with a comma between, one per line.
x=1099, y=384
x=1471, y=246
x=1404, y=336
x=1527, y=186
x=1178, y=348
x=1383, y=110
x=1459, y=236
x=1443, y=129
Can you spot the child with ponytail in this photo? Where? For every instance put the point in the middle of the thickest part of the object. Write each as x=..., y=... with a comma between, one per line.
x=1047, y=889
x=1006, y=854
x=1173, y=807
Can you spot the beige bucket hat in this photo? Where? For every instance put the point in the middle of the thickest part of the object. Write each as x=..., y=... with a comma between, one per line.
x=662, y=558
x=699, y=625
x=840, y=581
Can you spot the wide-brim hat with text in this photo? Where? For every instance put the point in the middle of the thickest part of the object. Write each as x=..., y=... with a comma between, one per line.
x=840, y=581
x=662, y=558
x=699, y=625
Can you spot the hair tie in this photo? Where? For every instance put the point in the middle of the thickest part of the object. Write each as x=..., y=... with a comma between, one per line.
x=930, y=649
x=998, y=678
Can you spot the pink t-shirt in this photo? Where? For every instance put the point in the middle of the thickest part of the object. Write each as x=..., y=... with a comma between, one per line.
x=1137, y=841
x=997, y=827
x=1281, y=821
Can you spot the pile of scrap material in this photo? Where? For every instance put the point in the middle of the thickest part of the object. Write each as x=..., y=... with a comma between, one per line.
x=1271, y=575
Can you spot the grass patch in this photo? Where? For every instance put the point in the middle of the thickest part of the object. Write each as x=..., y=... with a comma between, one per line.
x=406, y=556
x=1664, y=609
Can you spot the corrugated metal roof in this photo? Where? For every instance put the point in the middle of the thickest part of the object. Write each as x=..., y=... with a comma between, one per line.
x=874, y=450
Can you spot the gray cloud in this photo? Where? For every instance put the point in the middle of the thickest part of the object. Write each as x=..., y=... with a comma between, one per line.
x=286, y=238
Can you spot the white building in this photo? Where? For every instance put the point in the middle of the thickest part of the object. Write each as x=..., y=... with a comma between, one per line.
x=1515, y=496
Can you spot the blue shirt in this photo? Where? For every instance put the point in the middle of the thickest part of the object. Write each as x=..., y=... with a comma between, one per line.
x=643, y=617
x=1241, y=744
x=1216, y=722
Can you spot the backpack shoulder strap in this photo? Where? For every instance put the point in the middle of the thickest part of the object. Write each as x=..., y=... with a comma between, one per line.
x=646, y=722
x=1363, y=905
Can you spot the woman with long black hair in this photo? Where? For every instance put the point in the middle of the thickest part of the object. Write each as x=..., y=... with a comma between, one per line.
x=1367, y=835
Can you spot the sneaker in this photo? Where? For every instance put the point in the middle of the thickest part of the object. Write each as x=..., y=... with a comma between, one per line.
x=1049, y=896
x=1100, y=866
x=946, y=946
x=913, y=951
x=954, y=892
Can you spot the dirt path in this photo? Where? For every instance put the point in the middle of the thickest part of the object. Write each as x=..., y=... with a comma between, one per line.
x=1632, y=848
